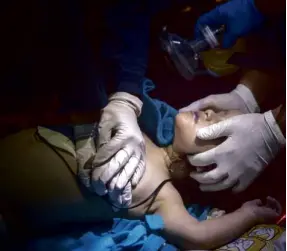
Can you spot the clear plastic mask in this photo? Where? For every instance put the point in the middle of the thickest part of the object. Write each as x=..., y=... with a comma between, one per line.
x=185, y=54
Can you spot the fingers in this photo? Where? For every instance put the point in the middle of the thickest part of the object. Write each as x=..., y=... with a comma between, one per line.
x=121, y=191
x=117, y=181
x=211, y=101
x=200, y=169
x=274, y=204
x=257, y=202
x=104, y=134
x=101, y=175
x=220, y=129
x=120, y=181
x=245, y=181
x=227, y=183
x=139, y=172
x=109, y=149
x=121, y=199
x=211, y=19
x=240, y=187
x=197, y=105
x=203, y=159
x=117, y=162
x=211, y=177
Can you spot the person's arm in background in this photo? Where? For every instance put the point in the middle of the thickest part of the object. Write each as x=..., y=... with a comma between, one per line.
x=280, y=116
x=262, y=87
x=127, y=44
x=268, y=88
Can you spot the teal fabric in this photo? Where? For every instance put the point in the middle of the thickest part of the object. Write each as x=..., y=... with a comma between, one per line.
x=157, y=117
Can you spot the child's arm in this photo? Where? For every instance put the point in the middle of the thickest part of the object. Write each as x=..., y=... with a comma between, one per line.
x=185, y=231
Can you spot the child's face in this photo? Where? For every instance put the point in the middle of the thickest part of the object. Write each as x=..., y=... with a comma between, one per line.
x=186, y=125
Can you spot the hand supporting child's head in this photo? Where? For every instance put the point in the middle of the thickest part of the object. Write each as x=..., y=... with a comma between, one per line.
x=186, y=125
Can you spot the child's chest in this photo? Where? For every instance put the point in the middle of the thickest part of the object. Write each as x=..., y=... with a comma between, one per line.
x=155, y=175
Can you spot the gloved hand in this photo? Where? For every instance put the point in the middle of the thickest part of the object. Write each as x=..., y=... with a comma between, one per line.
x=239, y=17
x=121, y=148
x=241, y=98
x=253, y=140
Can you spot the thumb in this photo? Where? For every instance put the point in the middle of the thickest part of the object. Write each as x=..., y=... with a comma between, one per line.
x=212, y=19
x=228, y=40
x=220, y=129
x=198, y=105
x=104, y=134
x=109, y=149
x=139, y=172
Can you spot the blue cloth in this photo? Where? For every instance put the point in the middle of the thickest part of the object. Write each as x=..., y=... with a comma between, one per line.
x=157, y=117
x=240, y=17
x=122, y=235
x=199, y=212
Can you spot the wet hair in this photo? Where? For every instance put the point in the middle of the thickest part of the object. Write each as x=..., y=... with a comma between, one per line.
x=178, y=167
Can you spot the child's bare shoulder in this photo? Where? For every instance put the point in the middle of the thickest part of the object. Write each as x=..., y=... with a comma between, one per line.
x=155, y=183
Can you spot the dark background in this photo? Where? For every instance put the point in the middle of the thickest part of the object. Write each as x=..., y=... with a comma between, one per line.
x=24, y=104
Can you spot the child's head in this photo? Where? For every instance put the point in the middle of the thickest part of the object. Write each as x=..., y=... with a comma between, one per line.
x=186, y=125
x=185, y=141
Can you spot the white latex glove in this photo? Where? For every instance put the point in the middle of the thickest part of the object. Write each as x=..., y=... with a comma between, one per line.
x=241, y=98
x=121, y=148
x=121, y=199
x=253, y=140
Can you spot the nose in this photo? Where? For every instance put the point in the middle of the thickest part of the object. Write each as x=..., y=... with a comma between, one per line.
x=209, y=114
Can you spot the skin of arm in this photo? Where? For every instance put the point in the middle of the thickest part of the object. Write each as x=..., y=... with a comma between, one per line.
x=188, y=233
x=258, y=83
x=280, y=115
x=261, y=87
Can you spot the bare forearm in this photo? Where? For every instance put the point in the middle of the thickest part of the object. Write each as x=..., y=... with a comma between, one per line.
x=280, y=116
x=258, y=83
x=217, y=232
x=265, y=87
